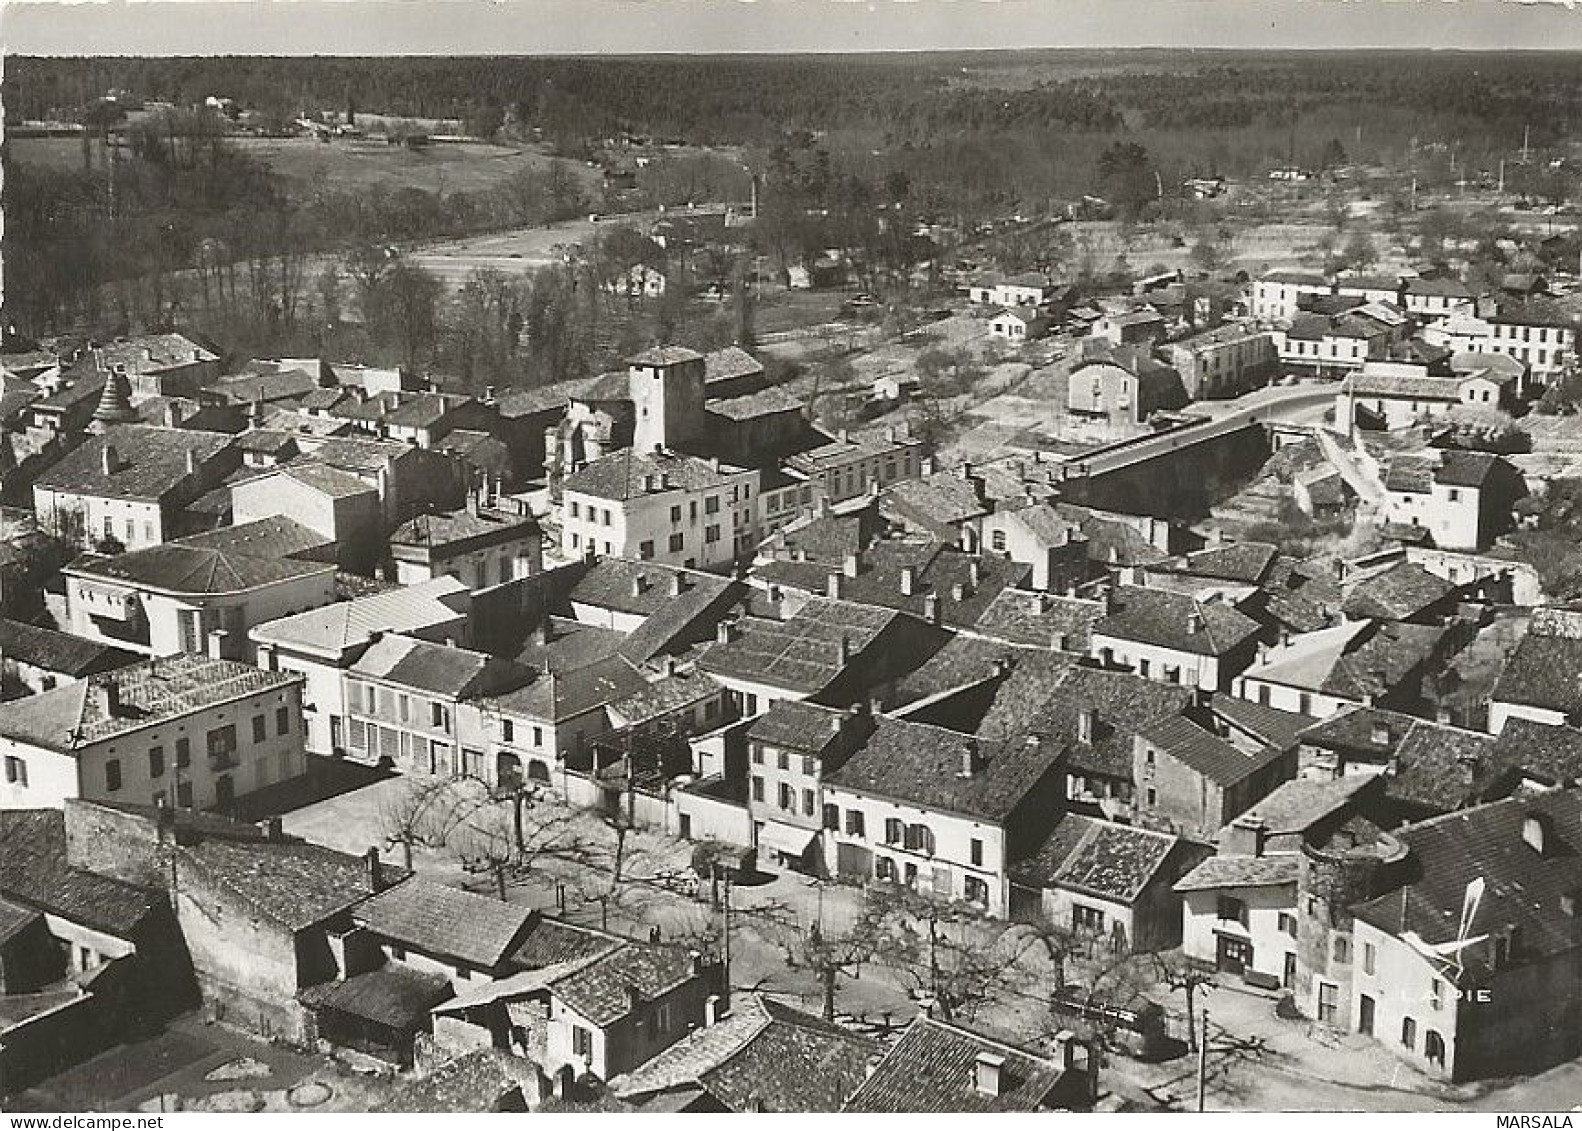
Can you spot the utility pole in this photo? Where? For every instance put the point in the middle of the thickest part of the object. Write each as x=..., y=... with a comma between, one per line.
x=1526, y=133
x=1202, y=1063
x=1502, y=177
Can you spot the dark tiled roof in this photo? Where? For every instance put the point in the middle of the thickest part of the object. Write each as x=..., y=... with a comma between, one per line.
x=296, y=885
x=802, y=653
x=631, y=473
x=549, y=942
x=1247, y=562
x=446, y=921
x=829, y=538
x=150, y=462
x=228, y=560
x=394, y=996
x=472, y=1083
x=1123, y=704
x=1040, y=620
x=762, y=1053
x=1098, y=857
x=1465, y=469
x=601, y=990
x=1549, y=754
x=937, y=569
x=1175, y=620
x=665, y=696
x=943, y=499
x=641, y=587
x=437, y=668
x=462, y=530
x=1442, y=768
x=571, y=645
x=556, y=696
x=1543, y=671
x=1241, y=872
x=1296, y=806
x=1401, y=592
x=1412, y=475
x=963, y=660
x=764, y=402
x=797, y=725
x=1110, y=541
x=1204, y=752
x=35, y=873
x=1523, y=888
x=664, y=355
x=930, y=1070
x=922, y=765
x=1353, y=731
x=59, y=652
x=1269, y=725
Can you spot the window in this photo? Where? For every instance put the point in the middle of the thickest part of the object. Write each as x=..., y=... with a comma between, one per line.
x=784, y=760
x=604, y=516
x=1436, y=993
x=112, y=775
x=1229, y=907
x=439, y=716
x=711, y=505
x=156, y=761
x=855, y=825
x=576, y=509
x=998, y=540
x=894, y=830
x=1328, y=1002
x=711, y=534
x=507, y=730
x=1409, y=1032
x=1287, y=923
x=404, y=707
x=184, y=794
x=807, y=802
x=809, y=766
x=758, y=789
x=787, y=798
x=832, y=817
x=1086, y=918
x=222, y=746
x=975, y=890
x=758, y=755
x=1342, y=949
x=645, y=549
x=538, y=736
x=282, y=721
x=977, y=852
x=581, y=1041
x=15, y=770
x=260, y=728
x=920, y=838
x=1367, y=957
x=677, y=541
x=675, y=515
x=1152, y=797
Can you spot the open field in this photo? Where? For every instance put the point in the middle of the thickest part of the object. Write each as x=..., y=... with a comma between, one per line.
x=303, y=163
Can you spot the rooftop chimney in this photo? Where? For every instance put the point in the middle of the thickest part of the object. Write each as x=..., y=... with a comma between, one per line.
x=1535, y=829
x=639, y=585
x=974, y=573
x=931, y=608
x=958, y=592
x=670, y=665
x=634, y=997
x=845, y=650
x=1087, y=723
x=969, y=758
x=107, y=695
x=376, y=870
x=1194, y=622
x=192, y=461
x=852, y=565
x=986, y=1071
x=908, y=580
x=217, y=638
x=711, y=1010
x=677, y=583
x=725, y=631
x=965, y=469
x=109, y=459
x=835, y=586
x=273, y=830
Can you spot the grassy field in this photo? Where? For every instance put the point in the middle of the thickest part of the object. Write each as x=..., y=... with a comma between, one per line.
x=304, y=163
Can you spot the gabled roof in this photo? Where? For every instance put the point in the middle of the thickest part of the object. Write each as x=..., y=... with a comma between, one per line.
x=763, y=1055
x=35, y=872
x=938, y=501
x=463, y=530
x=1238, y=871
x=69, y=718
x=1175, y=620
x=602, y=990
x=457, y=673
x=628, y=474
x=922, y=765
x=335, y=628
x=295, y=885
x=930, y=1070
x=446, y=921
x=1039, y=619
x=59, y=652
x=1205, y=752
x=232, y=559
x=643, y=588
x=729, y=363
x=558, y=695
x=1247, y=562
x=1548, y=754
x=802, y=653
x=150, y=462
x=1122, y=704
x=1354, y=660
x=1096, y=857
x=1401, y=592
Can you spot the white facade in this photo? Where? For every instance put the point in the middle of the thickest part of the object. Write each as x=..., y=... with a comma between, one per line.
x=1151, y=661
x=694, y=527
x=1453, y=515
x=1274, y=299
x=1215, y=923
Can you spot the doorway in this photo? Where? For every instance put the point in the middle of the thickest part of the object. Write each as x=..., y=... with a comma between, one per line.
x=1234, y=955
x=1365, y=1015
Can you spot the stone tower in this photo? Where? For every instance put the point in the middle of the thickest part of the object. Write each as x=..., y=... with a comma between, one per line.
x=666, y=385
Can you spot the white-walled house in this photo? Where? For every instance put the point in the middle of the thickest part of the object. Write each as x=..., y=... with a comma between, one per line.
x=321, y=644
x=203, y=593
x=1539, y=680
x=478, y=545
x=1173, y=637
x=186, y=731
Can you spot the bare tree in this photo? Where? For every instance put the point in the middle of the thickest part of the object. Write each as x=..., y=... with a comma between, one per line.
x=829, y=955
x=1175, y=973
x=947, y=954
x=423, y=814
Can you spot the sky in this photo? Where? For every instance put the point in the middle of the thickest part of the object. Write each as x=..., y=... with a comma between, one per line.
x=546, y=27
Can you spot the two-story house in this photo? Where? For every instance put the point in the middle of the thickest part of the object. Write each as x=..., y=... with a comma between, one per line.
x=1173, y=637
x=791, y=748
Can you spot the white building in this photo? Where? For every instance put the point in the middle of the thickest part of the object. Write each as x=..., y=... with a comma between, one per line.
x=1276, y=295
x=188, y=731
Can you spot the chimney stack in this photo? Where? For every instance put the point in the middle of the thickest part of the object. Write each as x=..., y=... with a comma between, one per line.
x=852, y=565
x=725, y=631
x=986, y=1072
x=376, y=870
x=639, y=585
x=711, y=1011
x=109, y=459
x=669, y=665
x=845, y=651
x=908, y=580
x=217, y=638
x=1087, y=723
x=969, y=758
x=834, y=586
x=1194, y=621
x=273, y=830
x=931, y=608
x=677, y=583
x=107, y=694
x=958, y=592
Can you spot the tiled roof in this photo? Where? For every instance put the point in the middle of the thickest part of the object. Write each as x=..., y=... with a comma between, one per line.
x=564, y=645
x=681, y=621
x=1442, y=768
x=922, y=765
x=798, y=725
x=630, y=473
x=1275, y=870
x=550, y=942
x=1175, y=620
x=59, y=652
x=1296, y=806
x=281, y=384
x=1098, y=857
x=1111, y=541
x=962, y=660
x=556, y=696
x=71, y=717
x=229, y=560
x=1205, y=752
x=646, y=588
x=664, y=355
x=1438, y=286
x=829, y=538
x=348, y=624
x=1403, y=591
x=1039, y=619
x=1549, y=754
x=296, y=885
x=1122, y=703
x=939, y=502
x=474, y=1082
x=1410, y=474
x=762, y=1054
x=437, y=668
x=930, y=1070
x=837, y=452
x=1459, y=468
x=1354, y=730
x=728, y=363
x=150, y=462
x=446, y=921
x=149, y=353
x=13, y=918
x=358, y=454
x=1523, y=889
x=764, y=402
x=332, y=481
x=1267, y=724
x=665, y=696
x=802, y=653
x=601, y=990
x=402, y=409
x=1353, y=660
x=459, y=530
x=392, y=996
x=1247, y=562
x=938, y=570
x=35, y=873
